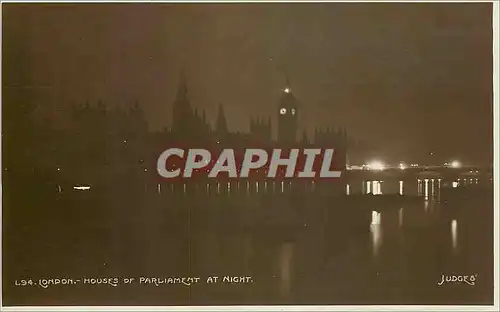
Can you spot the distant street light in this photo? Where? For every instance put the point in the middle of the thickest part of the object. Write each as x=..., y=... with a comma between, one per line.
x=455, y=164
x=402, y=166
x=376, y=165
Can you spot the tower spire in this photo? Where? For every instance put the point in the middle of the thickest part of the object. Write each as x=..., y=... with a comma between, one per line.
x=182, y=90
x=182, y=113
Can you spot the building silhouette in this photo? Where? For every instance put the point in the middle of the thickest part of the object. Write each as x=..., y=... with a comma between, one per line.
x=110, y=146
x=188, y=125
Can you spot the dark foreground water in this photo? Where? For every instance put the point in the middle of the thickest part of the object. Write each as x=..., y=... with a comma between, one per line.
x=284, y=248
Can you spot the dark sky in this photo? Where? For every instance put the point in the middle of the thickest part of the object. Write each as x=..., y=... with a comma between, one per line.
x=406, y=78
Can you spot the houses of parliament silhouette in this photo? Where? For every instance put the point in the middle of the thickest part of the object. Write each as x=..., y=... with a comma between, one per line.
x=108, y=147
x=188, y=125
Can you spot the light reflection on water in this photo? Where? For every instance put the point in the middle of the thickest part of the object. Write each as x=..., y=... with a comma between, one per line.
x=376, y=217
x=426, y=189
x=391, y=230
x=246, y=252
x=372, y=187
x=376, y=235
x=400, y=217
x=286, y=262
x=429, y=189
x=454, y=238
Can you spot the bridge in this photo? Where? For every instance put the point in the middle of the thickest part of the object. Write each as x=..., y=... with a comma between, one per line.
x=424, y=172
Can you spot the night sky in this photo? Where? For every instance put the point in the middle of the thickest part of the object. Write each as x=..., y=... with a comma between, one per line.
x=407, y=79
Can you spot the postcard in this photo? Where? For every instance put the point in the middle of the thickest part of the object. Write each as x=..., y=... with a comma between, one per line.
x=252, y=154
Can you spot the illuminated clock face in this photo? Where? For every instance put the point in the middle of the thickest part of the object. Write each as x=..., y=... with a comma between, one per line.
x=293, y=111
x=283, y=111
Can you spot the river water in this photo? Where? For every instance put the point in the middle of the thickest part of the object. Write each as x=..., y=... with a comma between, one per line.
x=284, y=248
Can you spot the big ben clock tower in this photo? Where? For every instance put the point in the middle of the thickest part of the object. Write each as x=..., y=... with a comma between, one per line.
x=287, y=116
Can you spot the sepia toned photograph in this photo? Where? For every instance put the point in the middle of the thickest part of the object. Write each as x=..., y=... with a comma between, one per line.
x=248, y=154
